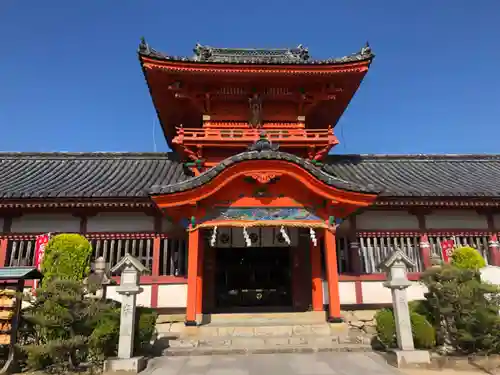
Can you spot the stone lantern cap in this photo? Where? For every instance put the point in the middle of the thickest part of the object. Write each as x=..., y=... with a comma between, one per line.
x=396, y=266
x=395, y=259
x=131, y=269
x=128, y=261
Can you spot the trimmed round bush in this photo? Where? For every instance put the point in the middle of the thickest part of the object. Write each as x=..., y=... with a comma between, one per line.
x=104, y=339
x=424, y=334
x=386, y=328
x=67, y=257
x=467, y=258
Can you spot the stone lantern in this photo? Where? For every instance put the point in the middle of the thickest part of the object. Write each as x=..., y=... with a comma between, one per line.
x=131, y=270
x=396, y=268
x=98, y=280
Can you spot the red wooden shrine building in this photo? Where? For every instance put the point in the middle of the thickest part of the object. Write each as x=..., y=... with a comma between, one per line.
x=251, y=211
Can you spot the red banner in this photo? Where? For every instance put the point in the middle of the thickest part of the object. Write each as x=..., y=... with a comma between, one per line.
x=447, y=247
x=40, y=244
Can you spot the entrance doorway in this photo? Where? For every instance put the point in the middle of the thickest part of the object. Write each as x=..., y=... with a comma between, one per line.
x=253, y=279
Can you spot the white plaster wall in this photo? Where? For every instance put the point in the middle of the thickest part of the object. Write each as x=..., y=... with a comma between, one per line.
x=416, y=291
x=326, y=299
x=143, y=299
x=121, y=222
x=347, y=292
x=46, y=223
x=491, y=274
x=386, y=220
x=456, y=219
x=375, y=292
x=172, y=295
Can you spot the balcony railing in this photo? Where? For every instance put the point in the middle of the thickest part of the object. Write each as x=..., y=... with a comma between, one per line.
x=173, y=254
x=112, y=247
x=252, y=135
x=374, y=247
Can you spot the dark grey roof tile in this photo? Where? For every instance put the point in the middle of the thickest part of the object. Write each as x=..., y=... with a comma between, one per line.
x=421, y=175
x=88, y=175
x=260, y=56
x=92, y=175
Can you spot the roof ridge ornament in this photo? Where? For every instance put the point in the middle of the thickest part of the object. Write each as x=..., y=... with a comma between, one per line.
x=202, y=53
x=248, y=55
x=144, y=46
x=366, y=50
x=263, y=144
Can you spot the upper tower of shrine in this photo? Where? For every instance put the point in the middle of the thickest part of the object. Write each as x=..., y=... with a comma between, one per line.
x=218, y=102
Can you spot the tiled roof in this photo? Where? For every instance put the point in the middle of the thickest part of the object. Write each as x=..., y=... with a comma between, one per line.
x=421, y=175
x=85, y=175
x=19, y=273
x=298, y=55
x=265, y=154
x=129, y=175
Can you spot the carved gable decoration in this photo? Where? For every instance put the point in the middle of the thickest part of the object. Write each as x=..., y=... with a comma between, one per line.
x=264, y=177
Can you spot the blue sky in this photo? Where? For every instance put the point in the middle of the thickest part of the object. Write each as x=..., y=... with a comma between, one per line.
x=70, y=79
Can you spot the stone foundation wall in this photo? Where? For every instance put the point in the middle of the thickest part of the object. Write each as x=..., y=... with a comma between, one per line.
x=361, y=320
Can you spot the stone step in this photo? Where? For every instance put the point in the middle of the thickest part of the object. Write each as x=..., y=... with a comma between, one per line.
x=257, y=318
x=178, y=330
x=231, y=345
x=177, y=339
x=245, y=318
x=243, y=342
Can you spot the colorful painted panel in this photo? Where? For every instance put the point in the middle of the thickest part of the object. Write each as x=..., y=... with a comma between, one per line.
x=263, y=214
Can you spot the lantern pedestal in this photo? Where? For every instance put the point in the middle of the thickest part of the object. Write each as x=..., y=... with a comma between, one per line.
x=405, y=358
x=131, y=365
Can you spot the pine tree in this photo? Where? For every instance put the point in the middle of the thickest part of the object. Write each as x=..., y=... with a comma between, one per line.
x=63, y=321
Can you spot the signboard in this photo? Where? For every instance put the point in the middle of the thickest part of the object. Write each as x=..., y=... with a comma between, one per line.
x=447, y=247
x=40, y=244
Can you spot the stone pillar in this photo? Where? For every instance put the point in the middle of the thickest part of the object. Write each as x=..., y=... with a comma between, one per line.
x=425, y=251
x=131, y=269
x=494, y=250
x=396, y=266
x=332, y=276
x=317, y=282
x=193, y=266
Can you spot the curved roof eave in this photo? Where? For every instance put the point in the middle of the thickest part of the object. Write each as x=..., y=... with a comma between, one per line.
x=245, y=57
x=207, y=176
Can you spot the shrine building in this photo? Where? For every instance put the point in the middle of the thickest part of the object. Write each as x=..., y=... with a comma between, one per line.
x=252, y=211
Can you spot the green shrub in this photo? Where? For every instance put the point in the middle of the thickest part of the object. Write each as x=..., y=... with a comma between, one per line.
x=59, y=325
x=467, y=258
x=386, y=328
x=105, y=336
x=144, y=329
x=63, y=328
x=67, y=257
x=465, y=309
x=422, y=307
x=424, y=334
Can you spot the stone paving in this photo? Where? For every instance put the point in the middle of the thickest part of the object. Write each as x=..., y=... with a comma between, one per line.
x=273, y=364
